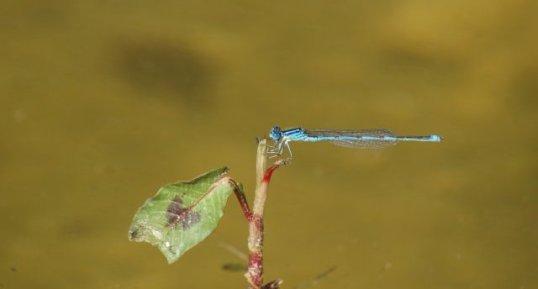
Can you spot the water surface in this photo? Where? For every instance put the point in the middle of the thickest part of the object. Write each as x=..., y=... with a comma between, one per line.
x=105, y=101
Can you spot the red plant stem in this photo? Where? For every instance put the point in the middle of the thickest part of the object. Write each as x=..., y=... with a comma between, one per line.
x=242, y=200
x=254, y=273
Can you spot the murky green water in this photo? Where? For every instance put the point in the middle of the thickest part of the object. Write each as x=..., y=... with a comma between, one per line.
x=102, y=102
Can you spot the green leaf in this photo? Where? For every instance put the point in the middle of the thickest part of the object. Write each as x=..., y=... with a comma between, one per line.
x=182, y=214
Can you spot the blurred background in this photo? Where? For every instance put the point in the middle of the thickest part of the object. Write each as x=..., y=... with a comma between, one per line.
x=103, y=102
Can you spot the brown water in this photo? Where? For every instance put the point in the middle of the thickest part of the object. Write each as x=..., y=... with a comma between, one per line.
x=102, y=102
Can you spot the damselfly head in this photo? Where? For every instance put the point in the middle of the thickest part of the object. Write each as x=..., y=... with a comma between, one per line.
x=275, y=133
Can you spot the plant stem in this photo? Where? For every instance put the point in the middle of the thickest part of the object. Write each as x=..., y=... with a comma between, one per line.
x=254, y=273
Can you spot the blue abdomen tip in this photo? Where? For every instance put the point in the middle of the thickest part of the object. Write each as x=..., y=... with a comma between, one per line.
x=436, y=138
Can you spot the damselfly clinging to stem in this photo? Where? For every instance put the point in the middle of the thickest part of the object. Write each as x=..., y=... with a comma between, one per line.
x=364, y=138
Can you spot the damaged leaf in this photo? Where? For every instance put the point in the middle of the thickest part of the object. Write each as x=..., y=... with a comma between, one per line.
x=182, y=214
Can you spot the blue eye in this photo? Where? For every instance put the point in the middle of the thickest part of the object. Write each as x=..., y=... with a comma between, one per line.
x=275, y=133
